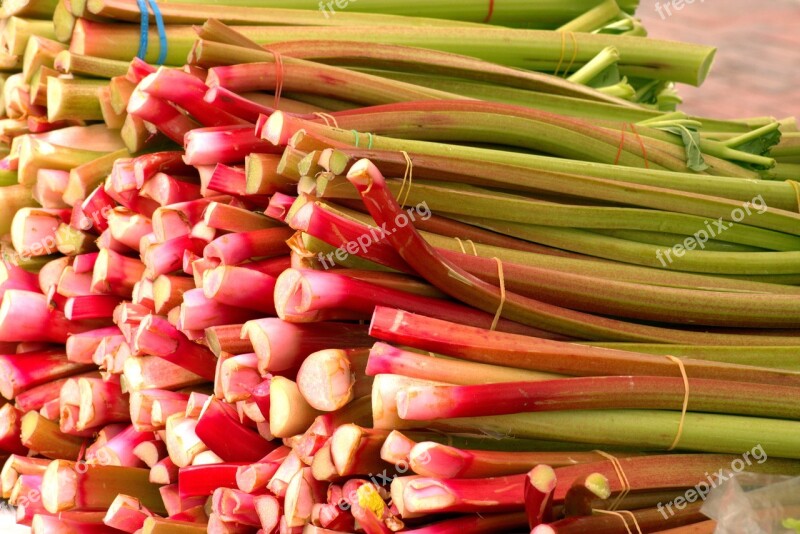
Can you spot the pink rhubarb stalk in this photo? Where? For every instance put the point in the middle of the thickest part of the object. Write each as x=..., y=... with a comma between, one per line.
x=221, y=431
x=157, y=337
x=282, y=346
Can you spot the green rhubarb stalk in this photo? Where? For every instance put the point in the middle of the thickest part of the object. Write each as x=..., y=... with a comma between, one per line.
x=588, y=267
x=772, y=357
x=789, y=146
x=13, y=198
x=39, y=52
x=783, y=171
x=121, y=41
x=38, y=85
x=18, y=31
x=683, y=259
x=638, y=301
x=557, y=175
x=69, y=63
x=454, y=281
x=37, y=154
x=710, y=148
x=63, y=22
x=302, y=76
x=621, y=89
x=464, y=200
x=258, y=14
x=554, y=103
x=207, y=53
x=594, y=18
x=411, y=60
x=604, y=182
x=73, y=99
x=529, y=49
x=668, y=240
x=646, y=429
x=545, y=14
x=605, y=59
x=551, y=134
x=121, y=90
x=643, y=302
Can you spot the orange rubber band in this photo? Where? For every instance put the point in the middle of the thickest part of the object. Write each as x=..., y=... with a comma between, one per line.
x=622, y=517
x=641, y=144
x=622, y=144
x=491, y=12
x=502, y=292
x=574, y=53
x=408, y=177
x=685, y=401
x=279, y=77
x=329, y=119
x=623, y=478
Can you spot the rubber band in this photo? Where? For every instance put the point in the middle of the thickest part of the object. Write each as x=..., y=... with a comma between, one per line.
x=796, y=186
x=563, y=52
x=144, y=30
x=502, y=292
x=685, y=400
x=474, y=248
x=330, y=120
x=355, y=132
x=279, y=77
x=621, y=144
x=622, y=517
x=623, y=478
x=641, y=144
x=461, y=244
x=371, y=139
x=491, y=12
x=574, y=53
x=408, y=177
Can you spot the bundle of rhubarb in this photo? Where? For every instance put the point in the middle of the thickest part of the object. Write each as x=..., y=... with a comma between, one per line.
x=418, y=274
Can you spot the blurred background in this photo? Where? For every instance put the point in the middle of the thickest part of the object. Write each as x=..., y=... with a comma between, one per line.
x=757, y=68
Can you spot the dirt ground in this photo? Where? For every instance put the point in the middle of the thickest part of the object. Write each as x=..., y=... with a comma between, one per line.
x=757, y=68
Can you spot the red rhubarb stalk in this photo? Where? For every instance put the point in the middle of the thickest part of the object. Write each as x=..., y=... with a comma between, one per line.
x=282, y=346
x=221, y=431
x=540, y=484
x=202, y=480
x=157, y=337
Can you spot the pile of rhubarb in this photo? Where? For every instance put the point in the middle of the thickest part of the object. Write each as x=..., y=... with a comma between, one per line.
x=358, y=270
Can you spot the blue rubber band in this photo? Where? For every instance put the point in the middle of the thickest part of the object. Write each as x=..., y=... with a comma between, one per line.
x=162, y=33
x=356, y=134
x=144, y=30
x=369, y=146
